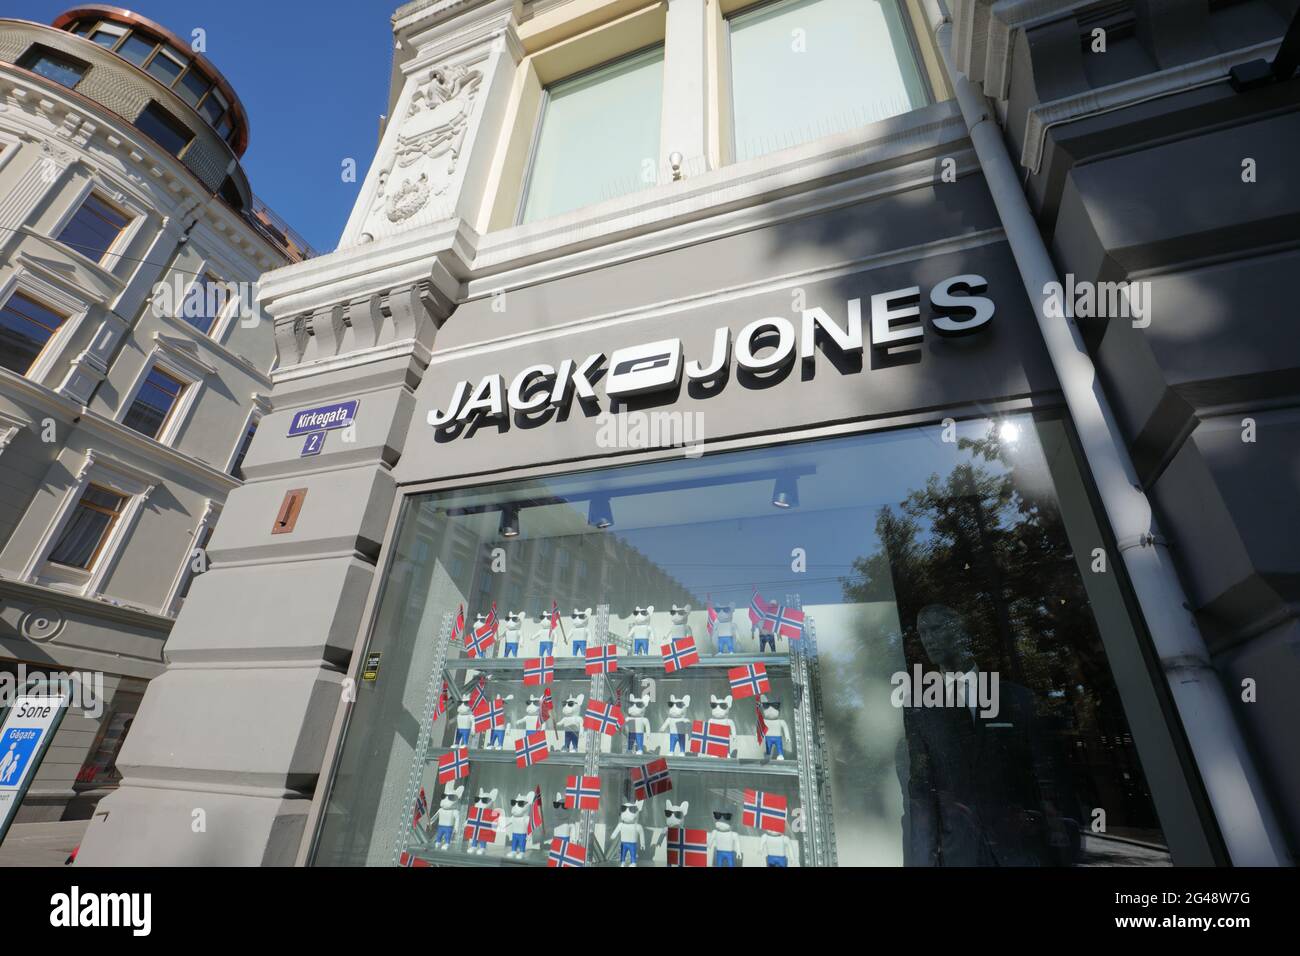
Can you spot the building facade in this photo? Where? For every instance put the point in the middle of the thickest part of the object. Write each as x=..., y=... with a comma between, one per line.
x=730, y=304
x=131, y=377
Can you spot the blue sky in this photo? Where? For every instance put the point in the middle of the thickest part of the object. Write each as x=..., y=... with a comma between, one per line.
x=314, y=79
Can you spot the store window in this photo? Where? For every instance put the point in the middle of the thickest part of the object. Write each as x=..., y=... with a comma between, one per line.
x=802, y=69
x=767, y=610
x=25, y=327
x=54, y=65
x=88, y=528
x=94, y=227
x=153, y=403
x=570, y=167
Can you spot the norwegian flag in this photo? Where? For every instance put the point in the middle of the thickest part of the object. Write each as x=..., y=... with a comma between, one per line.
x=538, y=671
x=688, y=847
x=531, y=749
x=582, y=793
x=458, y=628
x=481, y=824
x=759, y=610
x=651, y=779
x=749, y=680
x=761, y=725
x=453, y=764
x=421, y=808
x=764, y=810
x=564, y=852
x=440, y=707
x=535, y=816
x=602, y=659
x=679, y=654
x=555, y=619
x=788, y=622
x=547, y=705
x=607, y=718
x=410, y=859
x=478, y=693
x=710, y=738
x=490, y=714
x=479, y=641
x=711, y=618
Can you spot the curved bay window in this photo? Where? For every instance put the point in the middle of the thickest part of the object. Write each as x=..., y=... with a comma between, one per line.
x=887, y=649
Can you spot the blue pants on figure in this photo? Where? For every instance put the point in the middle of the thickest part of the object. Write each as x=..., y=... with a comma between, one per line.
x=724, y=858
x=635, y=741
x=676, y=742
x=774, y=746
x=726, y=645
x=579, y=648
x=767, y=642
x=462, y=737
x=778, y=861
x=570, y=737
x=640, y=645
x=498, y=738
x=626, y=850
x=544, y=648
x=519, y=843
x=512, y=650
x=442, y=836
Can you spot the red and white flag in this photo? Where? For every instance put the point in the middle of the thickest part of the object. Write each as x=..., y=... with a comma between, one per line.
x=766, y=811
x=535, y=815
x=687, y=847
x=761, y=725
x=760, y=613
x=602, y=659
x=453, y=764
x=410, y=859
x=547, y=705
x=421, y=808
x=788, y=623
x=489, y=715
x=711, y=618
x=538, y=671
x=481, y=824
x=606, y=718
x=531, y=749
x=555, y=620
x=710, y=739
x=479, y=693
x=582, y=793
x=651, y=779
x=458, y=626
x=749, y=680
x=679, y=653
x=440, y=707
x=564, y=852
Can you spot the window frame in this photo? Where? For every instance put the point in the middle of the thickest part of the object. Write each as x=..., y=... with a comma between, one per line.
x=54, y=333
x=199, y=539
x=41, y=51
x=168, y=119
x=108, y=193
x=59, y=300
x=170, y=357
x=114, y=518
x=113, y=247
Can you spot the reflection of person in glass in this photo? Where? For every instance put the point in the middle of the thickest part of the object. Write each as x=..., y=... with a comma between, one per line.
x=977, y=785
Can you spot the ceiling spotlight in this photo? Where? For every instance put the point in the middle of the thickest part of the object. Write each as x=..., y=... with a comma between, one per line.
x=509, y=521
x=1009, y=431
x=785, y=494
x=599, y=513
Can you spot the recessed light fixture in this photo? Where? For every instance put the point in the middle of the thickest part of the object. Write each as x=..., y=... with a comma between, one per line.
x=509, y=521
x=785, y=493
x=600, y=514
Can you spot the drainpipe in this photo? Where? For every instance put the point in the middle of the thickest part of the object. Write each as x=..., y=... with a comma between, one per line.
x=1249, y=827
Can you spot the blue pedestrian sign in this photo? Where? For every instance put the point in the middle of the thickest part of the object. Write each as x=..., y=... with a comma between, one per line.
x=24, y=738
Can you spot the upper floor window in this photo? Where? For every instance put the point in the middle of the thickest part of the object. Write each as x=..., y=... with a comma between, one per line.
x=571, y=166
x=25, y=327
x=153, y=403
x=801, y=69
x=164, y=129
x=94, y=227
x=54, y=65
x=88, y=528
x=204, y=302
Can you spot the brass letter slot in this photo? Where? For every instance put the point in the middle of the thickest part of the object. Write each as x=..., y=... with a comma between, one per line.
x=290, y=508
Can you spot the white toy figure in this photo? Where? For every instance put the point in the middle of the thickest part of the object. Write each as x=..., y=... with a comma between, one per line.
x=484, y=802
x=531, y=721
x=629, y=833
x=719, y=708
x=543, y=636
x=520, y=818
x=569, y=828
x=680, y=626
x=674, y=816
x=464, y=724
x=777, y=729
x=571, y=721
x=677, y=724
x=777, y=849
x=724, y=632
x=641, y=632
x=578, y=633
x=447, y=817
x=636, y=723
x=724, y=842
x=514, y=632
x=497, y=738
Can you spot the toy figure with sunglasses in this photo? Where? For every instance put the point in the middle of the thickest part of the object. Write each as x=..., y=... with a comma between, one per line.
x=629, y=833
x=777, y=731
x=640, y=632
x=519, y=824
x=724, y=842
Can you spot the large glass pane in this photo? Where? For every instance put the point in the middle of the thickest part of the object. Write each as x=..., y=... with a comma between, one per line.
x=801, y=69
x=55, y=66
x=599, y=136
x=90, y=522
x=136, y=48
x=153, y=403
x=165, y=130
x=93, y=228
x=911, y=608
x=25, y=327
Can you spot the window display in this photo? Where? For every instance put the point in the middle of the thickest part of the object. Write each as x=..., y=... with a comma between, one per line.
x=868, y=650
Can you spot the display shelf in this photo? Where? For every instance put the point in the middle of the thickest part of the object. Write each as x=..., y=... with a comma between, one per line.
x=508, y=666
x=625, y=761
